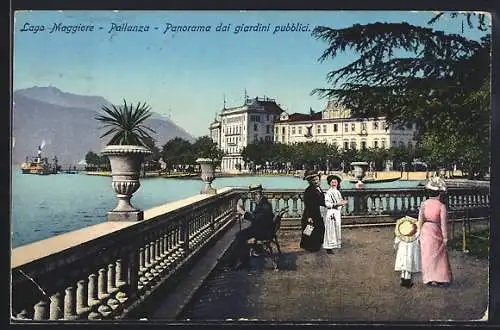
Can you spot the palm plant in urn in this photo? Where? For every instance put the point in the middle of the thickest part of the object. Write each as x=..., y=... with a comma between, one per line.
x=126, y=151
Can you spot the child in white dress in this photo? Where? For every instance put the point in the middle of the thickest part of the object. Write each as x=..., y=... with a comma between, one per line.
x=407, y=248
x=332, y=220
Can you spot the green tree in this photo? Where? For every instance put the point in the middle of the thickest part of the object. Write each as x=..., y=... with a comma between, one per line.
x=92, y=159
x=205, y=147
x=416, y=74
x=177, y=151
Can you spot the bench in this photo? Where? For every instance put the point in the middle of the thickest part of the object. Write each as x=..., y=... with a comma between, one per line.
x=267, y=245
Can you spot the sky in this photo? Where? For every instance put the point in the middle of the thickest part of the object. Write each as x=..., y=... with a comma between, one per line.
x=188, y=75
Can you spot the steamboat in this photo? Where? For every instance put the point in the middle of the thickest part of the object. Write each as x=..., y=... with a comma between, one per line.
x=39, y=165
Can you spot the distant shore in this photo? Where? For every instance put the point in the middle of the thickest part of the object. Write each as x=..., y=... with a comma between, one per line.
x=380, y=175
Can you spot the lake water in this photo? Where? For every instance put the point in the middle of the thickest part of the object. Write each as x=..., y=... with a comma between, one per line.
x=44, y=206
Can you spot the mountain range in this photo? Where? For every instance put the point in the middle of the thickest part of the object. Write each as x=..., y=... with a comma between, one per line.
x=64, y=125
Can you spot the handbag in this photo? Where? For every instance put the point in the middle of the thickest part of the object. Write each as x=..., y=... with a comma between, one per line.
x=308, y=230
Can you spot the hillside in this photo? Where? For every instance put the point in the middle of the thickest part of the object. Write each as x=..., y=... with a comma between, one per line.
x=66, y=123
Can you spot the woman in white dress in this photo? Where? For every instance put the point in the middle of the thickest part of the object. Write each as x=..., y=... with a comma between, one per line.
x=333, y=203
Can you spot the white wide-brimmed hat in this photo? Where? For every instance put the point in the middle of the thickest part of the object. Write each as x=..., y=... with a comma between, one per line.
x=406, y=229
x=436, y=183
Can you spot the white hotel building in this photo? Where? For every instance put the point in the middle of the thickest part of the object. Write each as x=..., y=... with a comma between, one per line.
x=239, y=126
x=334, y=125
x=264, y=120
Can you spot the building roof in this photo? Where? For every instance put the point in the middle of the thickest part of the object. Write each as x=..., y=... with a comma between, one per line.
x=270, y=105
x=297, y=116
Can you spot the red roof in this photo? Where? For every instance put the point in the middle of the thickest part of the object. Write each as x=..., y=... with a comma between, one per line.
x=297, y=116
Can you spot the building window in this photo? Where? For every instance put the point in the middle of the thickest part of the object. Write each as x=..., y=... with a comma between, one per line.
x=335, y=127
x=276, y=130
x=268, y=128
x=319, y=129
x=300, y=129
x=254, y=127
x=383, y=143
x=283, y=130
x=267, y=117
x=346, y=127
x=353, y=144
x=375, y=144
x=346, y=145
x=353, y=127
x=375, y=125
x=255, y=138
x=293, y=129
x=410, y=145
x=324, y=128
x=363, y=145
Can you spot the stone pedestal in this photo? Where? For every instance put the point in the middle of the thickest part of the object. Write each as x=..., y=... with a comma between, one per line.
x=125, y=170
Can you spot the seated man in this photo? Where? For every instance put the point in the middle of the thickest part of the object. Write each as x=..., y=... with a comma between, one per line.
x=262, y=226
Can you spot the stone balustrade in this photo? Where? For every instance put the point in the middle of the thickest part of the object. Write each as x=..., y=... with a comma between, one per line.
x=107, y=270
x=385, y=202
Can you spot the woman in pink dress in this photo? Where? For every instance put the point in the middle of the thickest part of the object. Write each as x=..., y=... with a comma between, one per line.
x=432, y=224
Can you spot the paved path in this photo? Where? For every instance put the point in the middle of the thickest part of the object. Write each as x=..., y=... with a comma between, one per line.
x=357, y=283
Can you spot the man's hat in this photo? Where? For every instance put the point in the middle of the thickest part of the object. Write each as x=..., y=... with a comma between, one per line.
x=333, y=176
x=255, y=187
x=309, y=174
x=436, y=183
x=406, y=229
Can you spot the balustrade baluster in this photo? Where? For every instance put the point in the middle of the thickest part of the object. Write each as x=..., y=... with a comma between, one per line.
x=163, y=251
x=120, y=283
x=42, y=311
x=111, y=287
x=295, y=209
x=142, y=261
x=56, y=306
x=380, y=202
x=70, y=304
x=93, y=300
x=82, y=307
x=102, y=294
x=184, y=237
x=152, y=249
x=158, y=258
x=142, y=279
x=148, y=264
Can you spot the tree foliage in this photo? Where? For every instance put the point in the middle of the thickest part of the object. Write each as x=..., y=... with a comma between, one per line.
x=179, y=151
x=416, y=74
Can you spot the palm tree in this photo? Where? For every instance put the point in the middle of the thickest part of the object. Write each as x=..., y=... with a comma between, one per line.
x=126, y=123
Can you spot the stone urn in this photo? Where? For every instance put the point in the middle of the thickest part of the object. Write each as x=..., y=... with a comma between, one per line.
x=126, y=163
x=207, y=175
x=359, y=170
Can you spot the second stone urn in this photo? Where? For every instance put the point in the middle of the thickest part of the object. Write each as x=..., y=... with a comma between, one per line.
x=125, y=163
x=359, y=170
x=207, y=175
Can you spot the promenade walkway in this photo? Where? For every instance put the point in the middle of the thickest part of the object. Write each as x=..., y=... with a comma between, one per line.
x=357, y=283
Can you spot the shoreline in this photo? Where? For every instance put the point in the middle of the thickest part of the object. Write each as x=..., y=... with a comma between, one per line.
x=381, y=176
